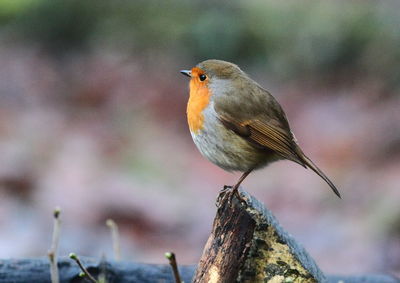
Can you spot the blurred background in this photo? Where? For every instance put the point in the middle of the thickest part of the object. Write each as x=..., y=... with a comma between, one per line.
x=92, y=119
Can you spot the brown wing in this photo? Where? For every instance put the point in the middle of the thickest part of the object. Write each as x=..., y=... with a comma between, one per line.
x=266, y=135
x=260, y=119
x=254, y=114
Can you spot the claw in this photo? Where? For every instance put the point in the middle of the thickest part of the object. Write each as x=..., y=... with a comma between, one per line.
x=227, y=187
x=222, y=196
x=227, y=194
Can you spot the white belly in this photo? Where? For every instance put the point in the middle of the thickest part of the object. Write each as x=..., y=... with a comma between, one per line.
x=225, y=148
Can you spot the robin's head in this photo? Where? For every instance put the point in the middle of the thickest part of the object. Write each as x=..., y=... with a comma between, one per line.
x=215, y=76
x=208, y=79
x=212, y=69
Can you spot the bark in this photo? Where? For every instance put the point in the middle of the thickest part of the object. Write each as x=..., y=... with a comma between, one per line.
x=248, y=245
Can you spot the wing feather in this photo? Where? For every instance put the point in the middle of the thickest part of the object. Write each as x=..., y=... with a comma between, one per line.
x=265, y=135
x=260, y=120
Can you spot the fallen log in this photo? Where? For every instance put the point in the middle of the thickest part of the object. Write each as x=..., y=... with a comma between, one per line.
x=246, y=245
x=37, y=270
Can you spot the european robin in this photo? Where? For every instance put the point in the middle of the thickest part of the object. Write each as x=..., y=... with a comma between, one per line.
x=238, y=125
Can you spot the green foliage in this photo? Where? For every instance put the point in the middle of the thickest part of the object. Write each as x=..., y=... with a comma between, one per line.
x=287, y=38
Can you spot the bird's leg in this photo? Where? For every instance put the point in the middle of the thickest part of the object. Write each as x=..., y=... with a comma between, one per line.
x=241, y=179
x=235, y=188
x=229, y=191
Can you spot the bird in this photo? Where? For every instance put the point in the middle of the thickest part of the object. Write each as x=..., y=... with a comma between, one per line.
x=237, y=124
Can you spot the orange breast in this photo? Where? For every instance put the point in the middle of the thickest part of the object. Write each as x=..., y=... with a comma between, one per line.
x=198, y=100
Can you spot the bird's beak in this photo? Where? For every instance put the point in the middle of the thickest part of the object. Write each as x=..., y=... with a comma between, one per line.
x=186, y=73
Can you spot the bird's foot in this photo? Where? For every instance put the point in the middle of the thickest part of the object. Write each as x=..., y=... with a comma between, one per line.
x=227, y=194
x=226, y=189
x=222, y=195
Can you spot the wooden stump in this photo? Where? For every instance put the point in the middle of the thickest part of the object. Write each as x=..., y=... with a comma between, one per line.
x=248, y=245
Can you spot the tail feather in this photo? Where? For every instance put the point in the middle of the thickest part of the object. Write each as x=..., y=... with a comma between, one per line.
x=307, y=161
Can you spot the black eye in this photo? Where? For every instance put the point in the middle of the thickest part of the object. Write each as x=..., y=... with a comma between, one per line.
x=202, y=77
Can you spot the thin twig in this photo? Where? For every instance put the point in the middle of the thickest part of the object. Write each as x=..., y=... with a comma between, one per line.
x=102, y=278
x=115, y=238
x=172, y=261
x=52, y=254
x=84, y=270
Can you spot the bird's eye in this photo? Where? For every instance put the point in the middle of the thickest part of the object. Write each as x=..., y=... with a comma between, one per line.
x=202, y=77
